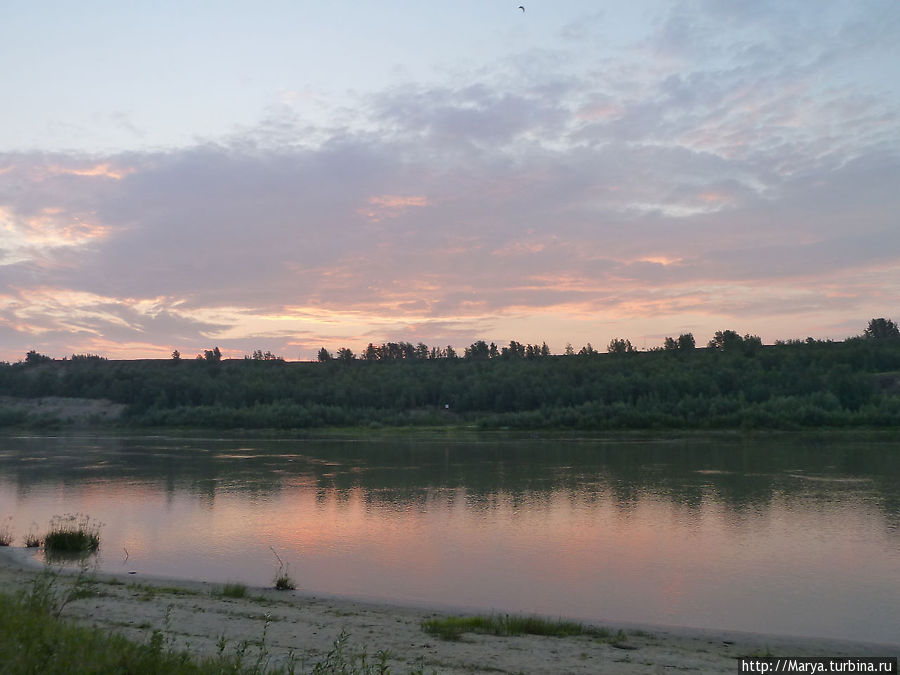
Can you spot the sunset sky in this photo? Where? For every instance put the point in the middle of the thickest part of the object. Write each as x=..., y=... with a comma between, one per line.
x=290, y=175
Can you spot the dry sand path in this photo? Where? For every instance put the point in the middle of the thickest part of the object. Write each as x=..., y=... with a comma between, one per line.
x=194, y=616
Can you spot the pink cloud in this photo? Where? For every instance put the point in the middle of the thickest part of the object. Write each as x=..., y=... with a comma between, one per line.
x=104, y=170
x=382, y=207
x=603, y=111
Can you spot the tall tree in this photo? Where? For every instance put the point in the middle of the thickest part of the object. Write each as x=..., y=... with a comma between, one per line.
x=686, y=341
x=34, y=357
x=478, y=351
x=724, y=340
x=620, y=346
x=881, y=329
x=345, y=355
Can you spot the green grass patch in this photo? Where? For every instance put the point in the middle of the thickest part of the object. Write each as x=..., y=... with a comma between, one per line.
x=72, y=535
x=31, y=641
x=234, y=589
x=453, y=627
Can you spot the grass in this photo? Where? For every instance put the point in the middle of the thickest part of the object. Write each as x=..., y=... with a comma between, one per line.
x=234, y=589
x=6, y=536
x=32, y=539
x=282, y=580
x=72, y=535
x=34, y=640
x=453, y=627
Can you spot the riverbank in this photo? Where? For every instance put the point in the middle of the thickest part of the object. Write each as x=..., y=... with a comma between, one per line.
x=194, y=615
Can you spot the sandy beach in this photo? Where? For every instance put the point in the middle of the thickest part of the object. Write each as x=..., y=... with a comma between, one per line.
x=194, y=616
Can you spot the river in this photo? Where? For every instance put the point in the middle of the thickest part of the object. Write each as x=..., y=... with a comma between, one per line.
x=788, y=534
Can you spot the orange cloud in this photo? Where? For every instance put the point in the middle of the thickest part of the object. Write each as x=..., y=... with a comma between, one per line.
x=134, y=350
x=714, y=197
x=105, y=170
x=391, y=206
x=665, y=261
x=48, y=229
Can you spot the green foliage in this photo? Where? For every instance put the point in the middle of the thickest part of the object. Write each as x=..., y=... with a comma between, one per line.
x=735, y=383
x=34, y=639
x=336, y=662
x=453, y=627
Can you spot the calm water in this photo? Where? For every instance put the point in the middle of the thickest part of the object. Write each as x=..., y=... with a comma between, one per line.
x=795, y=535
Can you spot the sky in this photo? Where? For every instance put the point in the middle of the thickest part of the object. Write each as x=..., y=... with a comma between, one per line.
x=285, y=176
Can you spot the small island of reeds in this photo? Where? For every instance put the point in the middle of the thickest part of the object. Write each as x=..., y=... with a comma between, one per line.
x=72, y=535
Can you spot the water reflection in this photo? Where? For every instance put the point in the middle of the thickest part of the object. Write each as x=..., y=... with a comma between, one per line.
x=788, y=534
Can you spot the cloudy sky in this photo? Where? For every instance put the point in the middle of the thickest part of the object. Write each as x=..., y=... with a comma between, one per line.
x=290, y=175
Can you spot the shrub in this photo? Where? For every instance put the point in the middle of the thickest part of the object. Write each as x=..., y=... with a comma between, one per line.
x=282, y=580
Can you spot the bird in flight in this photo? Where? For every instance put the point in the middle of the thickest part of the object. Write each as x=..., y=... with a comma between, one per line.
x=522, y=7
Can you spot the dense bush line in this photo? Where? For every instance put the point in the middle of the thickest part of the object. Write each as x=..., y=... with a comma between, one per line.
x=746, y=384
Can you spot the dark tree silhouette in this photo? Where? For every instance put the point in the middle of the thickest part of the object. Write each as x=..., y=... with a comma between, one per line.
x=620, y=346
x=34, y=357
x=724, y=340
x=213, y=355
x=345, y=355
x=882, y=329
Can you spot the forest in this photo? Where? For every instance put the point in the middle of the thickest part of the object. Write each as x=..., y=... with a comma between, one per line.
x=734, y=382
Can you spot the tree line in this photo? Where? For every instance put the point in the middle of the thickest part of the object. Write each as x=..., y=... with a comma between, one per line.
x=735, y=382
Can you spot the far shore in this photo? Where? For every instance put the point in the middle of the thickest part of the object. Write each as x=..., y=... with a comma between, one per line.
x=193, y=615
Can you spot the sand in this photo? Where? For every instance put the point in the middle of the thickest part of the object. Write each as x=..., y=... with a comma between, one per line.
x=193, y=615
